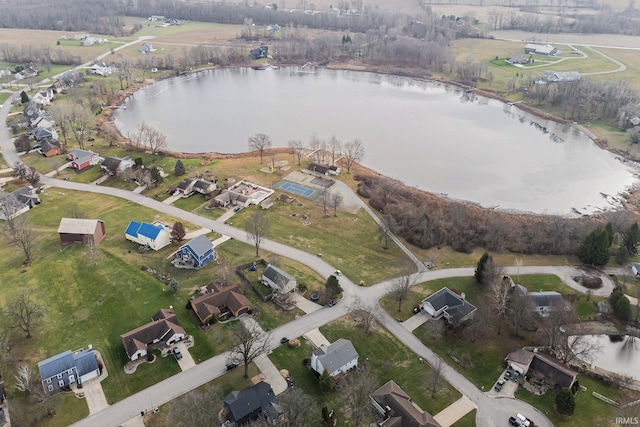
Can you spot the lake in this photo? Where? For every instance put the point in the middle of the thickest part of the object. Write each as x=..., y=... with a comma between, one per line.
x=619, y=354
x=426, y=134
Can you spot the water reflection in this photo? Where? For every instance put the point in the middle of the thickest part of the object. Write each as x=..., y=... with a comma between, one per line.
x=619, y=354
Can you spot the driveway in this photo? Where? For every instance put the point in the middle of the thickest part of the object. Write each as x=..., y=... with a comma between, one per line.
x=94, y=395
x=416, y=320
x=304, y=304
x=187, y=361
x=455, y=411
x=316, y=338
x=271, y=373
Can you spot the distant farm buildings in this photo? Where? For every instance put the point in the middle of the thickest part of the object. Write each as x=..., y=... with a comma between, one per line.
x=559, y=77
x=546, y=50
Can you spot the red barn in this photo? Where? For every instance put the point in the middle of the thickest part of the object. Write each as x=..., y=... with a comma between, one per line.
x=88, y=231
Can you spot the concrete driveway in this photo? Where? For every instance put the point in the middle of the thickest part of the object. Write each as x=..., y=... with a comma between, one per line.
x=316, y=338
x=187, y=361
x=455, y=411
x=271, y=373
x=304, y=304
x=94, y=395
x=508, y=389
x=416, y=320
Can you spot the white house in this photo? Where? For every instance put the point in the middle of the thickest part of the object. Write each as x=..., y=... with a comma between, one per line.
x=635, y=267
x=339, y=357
x=278, y=280
x=446, y=303
x=152, y=235
x=163, y=328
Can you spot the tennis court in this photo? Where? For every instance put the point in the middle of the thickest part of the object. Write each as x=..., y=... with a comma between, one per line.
x=295, y=188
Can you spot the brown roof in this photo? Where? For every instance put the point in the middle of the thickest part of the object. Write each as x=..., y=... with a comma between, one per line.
x=521, y=356
x=217, y=298
x=163, y=325
x=553, y=369
x=402, y=406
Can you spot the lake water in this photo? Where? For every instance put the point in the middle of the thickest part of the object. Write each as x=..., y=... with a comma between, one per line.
x=428, y=135
x=621, y=354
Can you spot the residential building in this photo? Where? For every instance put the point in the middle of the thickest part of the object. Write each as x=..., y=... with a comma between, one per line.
x=398, y=410
x=204, y=187
x=197, y=253
x=62, y=370
x=185, y=187
x=45, y=133
x=539, y=365
x=518, y=58
x=18, y=202
x=278, y=280
x=116, y=165
x=154, y=236
x=545, y=50
x=543, y=302
x=76, y=230
x=49, y=147
x=83, y=159
x=560, y=76
x=242, y=194
x=219, y=301
x=259, y=52
x=337, y=358
x=445, y=303
x=162, y=331
x=146, y=48
x=319, y=169
x=248, y=404
x=635, y=267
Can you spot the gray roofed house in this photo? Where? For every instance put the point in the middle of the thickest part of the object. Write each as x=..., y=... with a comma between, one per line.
x=195, y=254
x=163, y=329
x=64, y=369
x=560, y=76
x=278, y=280
x=251, y=402
x=18, y=202
x=337, y=358
x=635, y=267
x=116, y=165
x=518, y=58
x=544, y=301
x=520, y=360
x=204, y=187
x=446, y=303
x=186, y=186
x=397, y=408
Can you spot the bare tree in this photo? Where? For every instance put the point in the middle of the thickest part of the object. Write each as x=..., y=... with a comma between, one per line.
x=434, y=329
x=94, y=254
x=23, y=237
x=25, y=311
x=301, y=409
x=579, y=346
x=24, y=377
x=482, y=320
x=353, y=153
x=178, y=232
x=196, y=408
x=298, y=149
x=499, y=288
x=384, y=230
x=521, y=313
x=61, y=113
x=360, y=384
x=257, y=228
x=32, y=177
x=8, y=208
x=551, y=327
x=335, y=200
x=226, y=271
x=250, y=341
x=123, y=71
x=80, y=120
x=260, y=142
x=315, y=145
x=364, y=313
x=401, y=285
x=434, y=377
x=335, y=146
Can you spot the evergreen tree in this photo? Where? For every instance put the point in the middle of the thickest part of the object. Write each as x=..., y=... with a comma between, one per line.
x=333, y=285
x=565, y=402
x=155, y=176
x=24, y=97
x=622, y=257
x=610, y=233
x=326, y=381
x=179, y=170
x=479, y=274
x=594, y=249
x=620, y=304
x=631, y=239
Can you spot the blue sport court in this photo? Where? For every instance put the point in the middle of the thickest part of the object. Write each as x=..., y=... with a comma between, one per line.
x=299, y=189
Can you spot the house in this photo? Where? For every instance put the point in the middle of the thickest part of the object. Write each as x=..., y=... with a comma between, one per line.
x=18, y=202
x=83, y=159
x=43, y=97
x=186, y=187
x=518, y=58
x=154, y=236
x=260, y=52
x=252, y=402
x=50, y=148
x=635, y=267
x=204, y=187
x=242, y=194
x=102, y=69
x=546, y=50
x=146, y=48
x=543, y=302
x=278, y=280
x=163, y=330
x=334, y=170
x=219, y=301
x=26, y=73
x=541, y=366
x=115, y=165
x=446, y=303
x=42, y=133
x=5, y=73
x=142, y=175
x=319, y=169
x=159, y=18
x=75, y=230
x=397, y=408
x=197, y=253
x=337, y=358
x=560, y=76
x=81, y=37
x=62, y=370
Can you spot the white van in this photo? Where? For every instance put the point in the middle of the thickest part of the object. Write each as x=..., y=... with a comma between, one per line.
x=522, y=420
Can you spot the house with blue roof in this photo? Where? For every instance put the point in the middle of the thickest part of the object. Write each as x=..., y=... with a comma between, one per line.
x=62, y=370
x=196, y=253
x=154, y=236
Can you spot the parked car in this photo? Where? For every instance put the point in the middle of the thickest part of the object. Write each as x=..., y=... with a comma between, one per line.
x=507, y=375
x=284, y=340
x=177, y=353
x=515, y=377
x=237, y=208
x=513, y=421
x=332, y=303
x=231, y=365
x=499, y=384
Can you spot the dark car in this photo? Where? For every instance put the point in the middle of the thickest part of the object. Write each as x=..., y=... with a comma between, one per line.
x=507, y=375
x=515, y=377
x=284, y=340
x=177, y=353
x=231, y=365
x=237, y=208
x=513, y=421
x=499, y=384
x=332, y=303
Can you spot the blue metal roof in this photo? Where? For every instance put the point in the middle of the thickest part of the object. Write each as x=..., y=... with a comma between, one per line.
x=85, y=361
x=56, y=364
x=149, y=230
x=132, y=229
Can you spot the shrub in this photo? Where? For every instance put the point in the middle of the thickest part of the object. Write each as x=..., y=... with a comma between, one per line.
x=565, y=402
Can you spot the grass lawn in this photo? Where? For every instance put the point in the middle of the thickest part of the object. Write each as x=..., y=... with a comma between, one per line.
x=468, y=420
x=68, y=409
x=589, y=410
x=4, y=96
x=389, y=359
